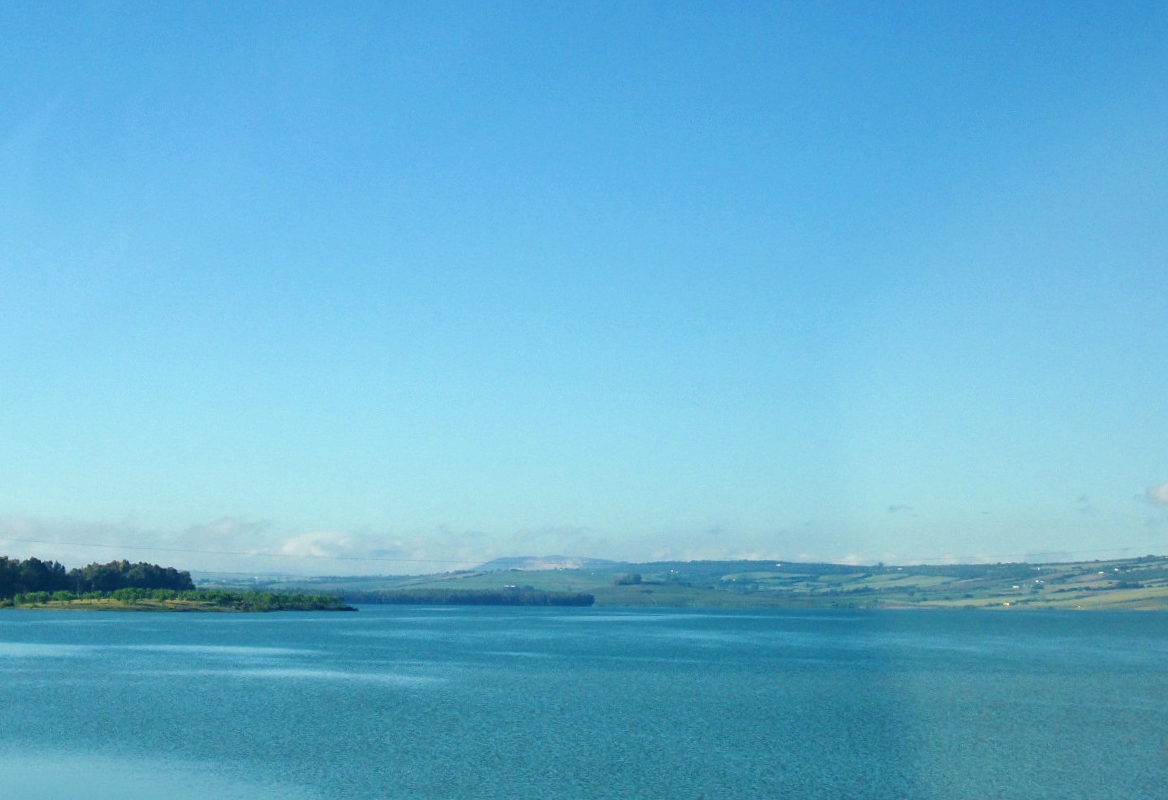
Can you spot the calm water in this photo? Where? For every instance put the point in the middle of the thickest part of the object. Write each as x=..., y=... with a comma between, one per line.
x=583, y=703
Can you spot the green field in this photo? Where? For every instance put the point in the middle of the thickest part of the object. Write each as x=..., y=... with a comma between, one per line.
x=1135, y=583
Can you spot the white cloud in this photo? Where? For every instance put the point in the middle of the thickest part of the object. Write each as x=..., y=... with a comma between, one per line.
x=72, y=542
x=265, y=547
x=227, y=534
x=320, y=544
x=714, y=554
x=1157, y=495
x=239, y=545
x=559, y=540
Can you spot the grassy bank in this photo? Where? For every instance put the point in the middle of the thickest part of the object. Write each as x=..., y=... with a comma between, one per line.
x=170, y=600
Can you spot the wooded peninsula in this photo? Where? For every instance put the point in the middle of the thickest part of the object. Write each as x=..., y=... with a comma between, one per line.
x=122, y=586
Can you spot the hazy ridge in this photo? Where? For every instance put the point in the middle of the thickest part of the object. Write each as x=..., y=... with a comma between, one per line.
x=1132, y=583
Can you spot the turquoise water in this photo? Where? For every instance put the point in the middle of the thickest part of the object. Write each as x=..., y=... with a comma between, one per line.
x=583, y=703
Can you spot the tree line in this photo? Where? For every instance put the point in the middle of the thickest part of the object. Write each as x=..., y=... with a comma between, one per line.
x=470, y=597
x=34, y=575
x=228, y=601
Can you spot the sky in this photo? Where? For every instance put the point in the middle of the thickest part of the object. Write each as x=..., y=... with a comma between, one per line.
x=381, y=288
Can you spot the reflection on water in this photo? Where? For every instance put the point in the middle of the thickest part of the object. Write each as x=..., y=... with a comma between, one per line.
x=301, y=673
x=494, y=703
x=220, y=650
x=26, y=650
x=66, y=775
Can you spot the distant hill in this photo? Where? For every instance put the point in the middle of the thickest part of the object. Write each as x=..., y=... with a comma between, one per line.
x=1129, y=583
x=545, y=562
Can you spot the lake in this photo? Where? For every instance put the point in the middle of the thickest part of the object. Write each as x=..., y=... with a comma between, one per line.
x=405, y=702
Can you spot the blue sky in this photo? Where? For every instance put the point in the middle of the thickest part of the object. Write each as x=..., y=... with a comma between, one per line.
x=398, y=287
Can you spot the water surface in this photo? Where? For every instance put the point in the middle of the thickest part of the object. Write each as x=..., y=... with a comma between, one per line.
x=583, y=703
